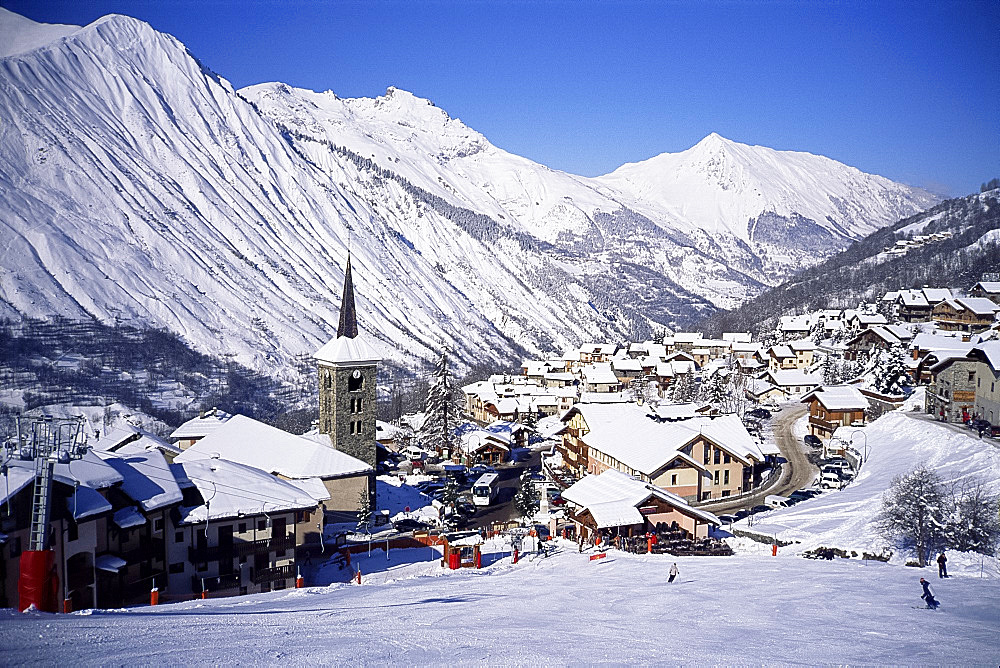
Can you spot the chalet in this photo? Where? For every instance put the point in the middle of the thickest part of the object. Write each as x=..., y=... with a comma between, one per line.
x=805, y=352
x=600, y=378
x=697, y=458
x=294, y=458
x=965, y=314
x=614, y=502
x=951, y=395
x=794, y=326
x=987, y=289
x=859, y=320
x=237, y=530
x=482, y=446
x=761, y=391
x=626, y=369
x=737, y=337
x=869, y=341
x=682, y=341
x=916, y=305
x=794, y=381
x=834, y=406
x=987, y=355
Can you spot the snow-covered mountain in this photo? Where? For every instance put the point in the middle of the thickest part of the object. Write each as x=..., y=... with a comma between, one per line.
x=136, y=184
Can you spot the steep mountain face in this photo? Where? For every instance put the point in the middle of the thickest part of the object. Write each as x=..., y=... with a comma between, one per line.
x=952, y=244
x=135, y=185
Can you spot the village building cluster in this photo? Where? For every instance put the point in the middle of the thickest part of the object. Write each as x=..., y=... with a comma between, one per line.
x=227, y=504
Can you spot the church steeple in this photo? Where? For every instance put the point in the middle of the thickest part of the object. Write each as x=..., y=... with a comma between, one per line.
x=348, y=325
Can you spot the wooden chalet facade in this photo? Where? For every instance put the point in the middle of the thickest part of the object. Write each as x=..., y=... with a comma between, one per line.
x=833, y=407
x=965, y=315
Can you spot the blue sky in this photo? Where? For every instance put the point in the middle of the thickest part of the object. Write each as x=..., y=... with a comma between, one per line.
x=909, y=90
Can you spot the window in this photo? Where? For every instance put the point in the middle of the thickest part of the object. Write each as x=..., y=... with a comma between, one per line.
x=176, y=568
x=242, y=528
x=972, y=375
x=72, y=531
x=726, y=458
x=725, y=477
x=673, y=479
x=158, y=524
x=261, y=524
x=718, y=456
x=355, y=382
x=708, y=454
x=179, y=537
x=716, y=477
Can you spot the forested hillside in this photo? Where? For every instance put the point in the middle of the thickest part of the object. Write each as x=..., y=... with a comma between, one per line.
x=866, y=271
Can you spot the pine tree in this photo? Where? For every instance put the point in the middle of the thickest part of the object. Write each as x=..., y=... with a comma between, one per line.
x=449, y=497
x=364, y=510
x=683, y=390
x=890, y=372
x=715, y=390
x=974, y=525
x=831, y=375
x=440, y=409
x=915, y=512
x=527, y=497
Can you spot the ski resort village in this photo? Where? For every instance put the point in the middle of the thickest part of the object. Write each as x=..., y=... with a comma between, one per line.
x=288, y=378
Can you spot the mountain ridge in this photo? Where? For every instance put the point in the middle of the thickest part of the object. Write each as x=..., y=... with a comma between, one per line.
x=139, y=185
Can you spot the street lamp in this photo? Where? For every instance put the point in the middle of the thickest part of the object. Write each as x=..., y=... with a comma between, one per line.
x=865, y=443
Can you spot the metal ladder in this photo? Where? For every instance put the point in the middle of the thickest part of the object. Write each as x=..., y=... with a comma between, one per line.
x=41, y=503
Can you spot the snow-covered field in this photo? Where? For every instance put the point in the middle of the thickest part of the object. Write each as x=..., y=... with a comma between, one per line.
x=564, y=609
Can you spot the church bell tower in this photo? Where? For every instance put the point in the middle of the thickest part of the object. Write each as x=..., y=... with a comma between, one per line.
x=348, y=367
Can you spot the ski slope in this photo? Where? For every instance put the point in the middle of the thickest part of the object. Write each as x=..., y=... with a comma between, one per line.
x=562, y=610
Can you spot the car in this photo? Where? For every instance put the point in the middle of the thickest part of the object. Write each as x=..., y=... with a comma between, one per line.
x=994, y=431
x=727, y=519
x=812, y=440
x=407, y=524
x=740, y=514
x=801, y=495
x=760, y=509
x=557, y=500
x=481, y=470
x=760, y=413
x=977, y=424
x=841, y=464
x=830, y=481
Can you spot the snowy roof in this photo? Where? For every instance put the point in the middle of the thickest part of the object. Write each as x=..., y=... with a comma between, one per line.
x=883, y=333
x=314, y=487
x=901, y=332
x=86, y=501
x=935, y=295
x=990, y=351
x=913, y=298
x=871, y=318
x=938, y=342
x=90, y=471
x=599, y=374
x=232, y=489
x=128, y=517
x=247, y=441
x=794, y=377
x=838, y=398
x=344, y=350
x=780, y=352
x=110, y=563
x=991, y=287
x=201, y=426
x=979, y=305
x=615, y=487
x=16, y=479
x=627, y=364
x=146, y=478
x=803, y=344
x=676, y=411
x=687, y=337
x=629, y=434
x=736, y=337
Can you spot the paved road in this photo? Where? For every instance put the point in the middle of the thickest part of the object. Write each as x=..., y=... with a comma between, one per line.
x=797, y=472
x=956, y=427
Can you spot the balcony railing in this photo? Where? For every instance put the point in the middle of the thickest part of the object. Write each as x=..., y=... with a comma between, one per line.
x=273, y=574
x=241, y=549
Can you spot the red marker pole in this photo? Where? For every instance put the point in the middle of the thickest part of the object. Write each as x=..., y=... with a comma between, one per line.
x=154, y=596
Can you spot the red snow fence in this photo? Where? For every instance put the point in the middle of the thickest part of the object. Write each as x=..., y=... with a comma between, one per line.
x=595, y=557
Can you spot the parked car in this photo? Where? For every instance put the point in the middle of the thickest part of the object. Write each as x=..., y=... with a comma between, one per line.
x=740, y=514
x=727, y=519
x=838, y=463
x=994, y=431
x=407, y=524
x=760, y=509
x=812, y=440
x=777, y=501
x=481, y=470
x=802, y=495
x=557, y=500
x=760, y=413
x=830, y=480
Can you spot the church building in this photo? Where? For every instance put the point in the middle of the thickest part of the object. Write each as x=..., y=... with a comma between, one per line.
x=348, y=366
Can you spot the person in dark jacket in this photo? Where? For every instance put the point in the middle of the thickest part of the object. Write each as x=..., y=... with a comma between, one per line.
x=928, y=595
x=942, y=568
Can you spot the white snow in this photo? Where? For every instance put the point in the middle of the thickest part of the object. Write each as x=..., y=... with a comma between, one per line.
x=555, y=611
x=895, y=443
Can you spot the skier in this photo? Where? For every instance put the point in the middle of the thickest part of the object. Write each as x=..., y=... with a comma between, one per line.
x=928, y=595
x=673, y=572
x=942, y=567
